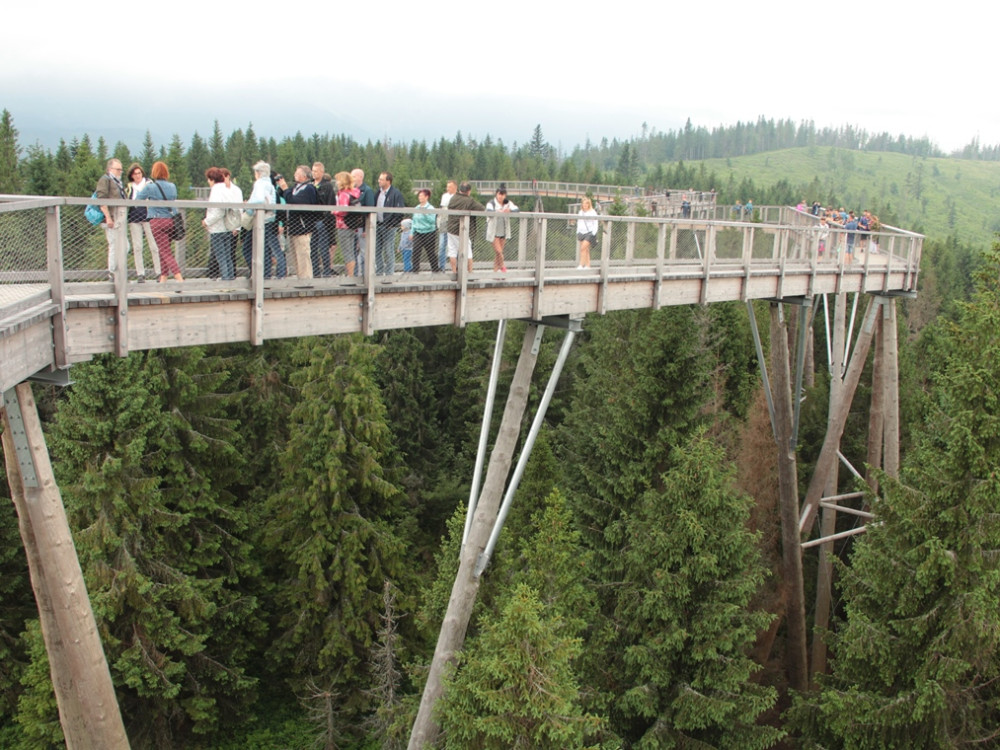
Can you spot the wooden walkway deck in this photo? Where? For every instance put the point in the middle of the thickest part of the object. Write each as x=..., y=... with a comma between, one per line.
x=45, y=326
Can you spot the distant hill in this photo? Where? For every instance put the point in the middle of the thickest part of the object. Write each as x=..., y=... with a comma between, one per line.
x=939, y=197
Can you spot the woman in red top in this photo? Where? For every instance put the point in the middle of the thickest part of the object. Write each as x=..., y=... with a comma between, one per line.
x=347, y=238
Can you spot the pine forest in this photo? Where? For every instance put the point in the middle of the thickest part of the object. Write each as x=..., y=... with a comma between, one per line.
x=269, y=535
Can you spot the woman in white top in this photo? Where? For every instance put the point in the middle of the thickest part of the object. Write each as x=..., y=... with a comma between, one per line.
x=498, y=225
x=586, y=231
x=138, y=223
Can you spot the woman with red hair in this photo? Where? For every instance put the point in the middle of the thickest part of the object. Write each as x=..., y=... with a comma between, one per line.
x=159, y=188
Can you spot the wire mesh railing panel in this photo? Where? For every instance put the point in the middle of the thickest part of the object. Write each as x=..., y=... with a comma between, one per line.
x=729, y=243
x=22, y=252
x=84, y=245
x=628, y=244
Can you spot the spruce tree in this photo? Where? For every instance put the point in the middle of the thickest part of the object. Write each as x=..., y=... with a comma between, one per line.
x=333, y=525
x=514, y=686
x=17, y=604
x=148, y=155
x=10, y=154
x=690, y=569
x=917, y=658
x=145, y=455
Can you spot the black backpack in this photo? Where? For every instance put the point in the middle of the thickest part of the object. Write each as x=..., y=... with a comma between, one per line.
x=355, y=220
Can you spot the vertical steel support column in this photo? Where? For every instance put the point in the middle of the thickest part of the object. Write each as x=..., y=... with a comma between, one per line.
x=484, y=431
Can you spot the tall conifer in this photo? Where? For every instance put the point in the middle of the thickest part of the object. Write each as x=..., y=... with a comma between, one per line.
x=145, y=456
x=332, y=525
x=916, y=662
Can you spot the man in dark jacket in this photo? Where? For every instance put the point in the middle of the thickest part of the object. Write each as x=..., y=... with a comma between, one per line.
x=324, y=231
x=461, y=202
x=386, y=225
x=299, y=225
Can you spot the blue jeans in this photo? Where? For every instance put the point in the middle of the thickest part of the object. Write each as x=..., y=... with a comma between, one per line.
x=222, y=247
x=319, y=250
x=385, y=249
x=272, y=250
x=443, y=251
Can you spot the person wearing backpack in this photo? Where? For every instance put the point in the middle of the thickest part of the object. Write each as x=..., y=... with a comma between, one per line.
x=348, y=223
x=110, y=187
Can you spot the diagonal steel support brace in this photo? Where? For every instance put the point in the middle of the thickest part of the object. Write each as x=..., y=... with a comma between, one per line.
x=522, y=460
x=484, y=432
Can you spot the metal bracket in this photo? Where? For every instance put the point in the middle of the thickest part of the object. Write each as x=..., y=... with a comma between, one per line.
x=25, y=462
x=53, y=376
x=565, y=322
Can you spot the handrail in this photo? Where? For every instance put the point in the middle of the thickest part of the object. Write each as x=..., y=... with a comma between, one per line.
x=58, y=305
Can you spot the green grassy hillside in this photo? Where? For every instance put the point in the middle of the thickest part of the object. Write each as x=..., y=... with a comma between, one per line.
x=936, y=196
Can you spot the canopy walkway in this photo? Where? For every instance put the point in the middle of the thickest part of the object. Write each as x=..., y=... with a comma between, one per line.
x=58, y=307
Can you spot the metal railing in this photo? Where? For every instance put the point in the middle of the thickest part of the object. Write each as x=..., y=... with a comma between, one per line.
x=42, y=239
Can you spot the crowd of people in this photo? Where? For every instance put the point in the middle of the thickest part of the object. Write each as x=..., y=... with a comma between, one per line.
x=857, y=230
x=303, y=243
x=297, y=242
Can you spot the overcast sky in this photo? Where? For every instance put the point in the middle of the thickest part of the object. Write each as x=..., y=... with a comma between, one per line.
x=424, y=70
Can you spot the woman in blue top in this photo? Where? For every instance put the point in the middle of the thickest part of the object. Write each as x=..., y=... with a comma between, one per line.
x=424, y=226
x=161, y=217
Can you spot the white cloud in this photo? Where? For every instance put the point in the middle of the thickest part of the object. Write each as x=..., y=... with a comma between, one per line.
x=422, y=71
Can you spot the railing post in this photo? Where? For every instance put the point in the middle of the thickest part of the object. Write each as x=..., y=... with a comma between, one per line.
x=602, y=303
x=661, y=244
x=368, y=323
x=747, y=261
x=707, y=260
x=180, y=249
x=461, y=268
x=522, y=242
x=630, y=243
x=536, y=301
x=54, y=264
x=121, y=280
x=257, y=280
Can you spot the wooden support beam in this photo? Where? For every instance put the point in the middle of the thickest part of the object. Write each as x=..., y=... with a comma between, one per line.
x=661, y=247
x=827, y=461
x=795, y=610
x=462, y=269
x=121, y=282
x=466, y=587
x=536, y=297
x=88, y=706
x=828, y=520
